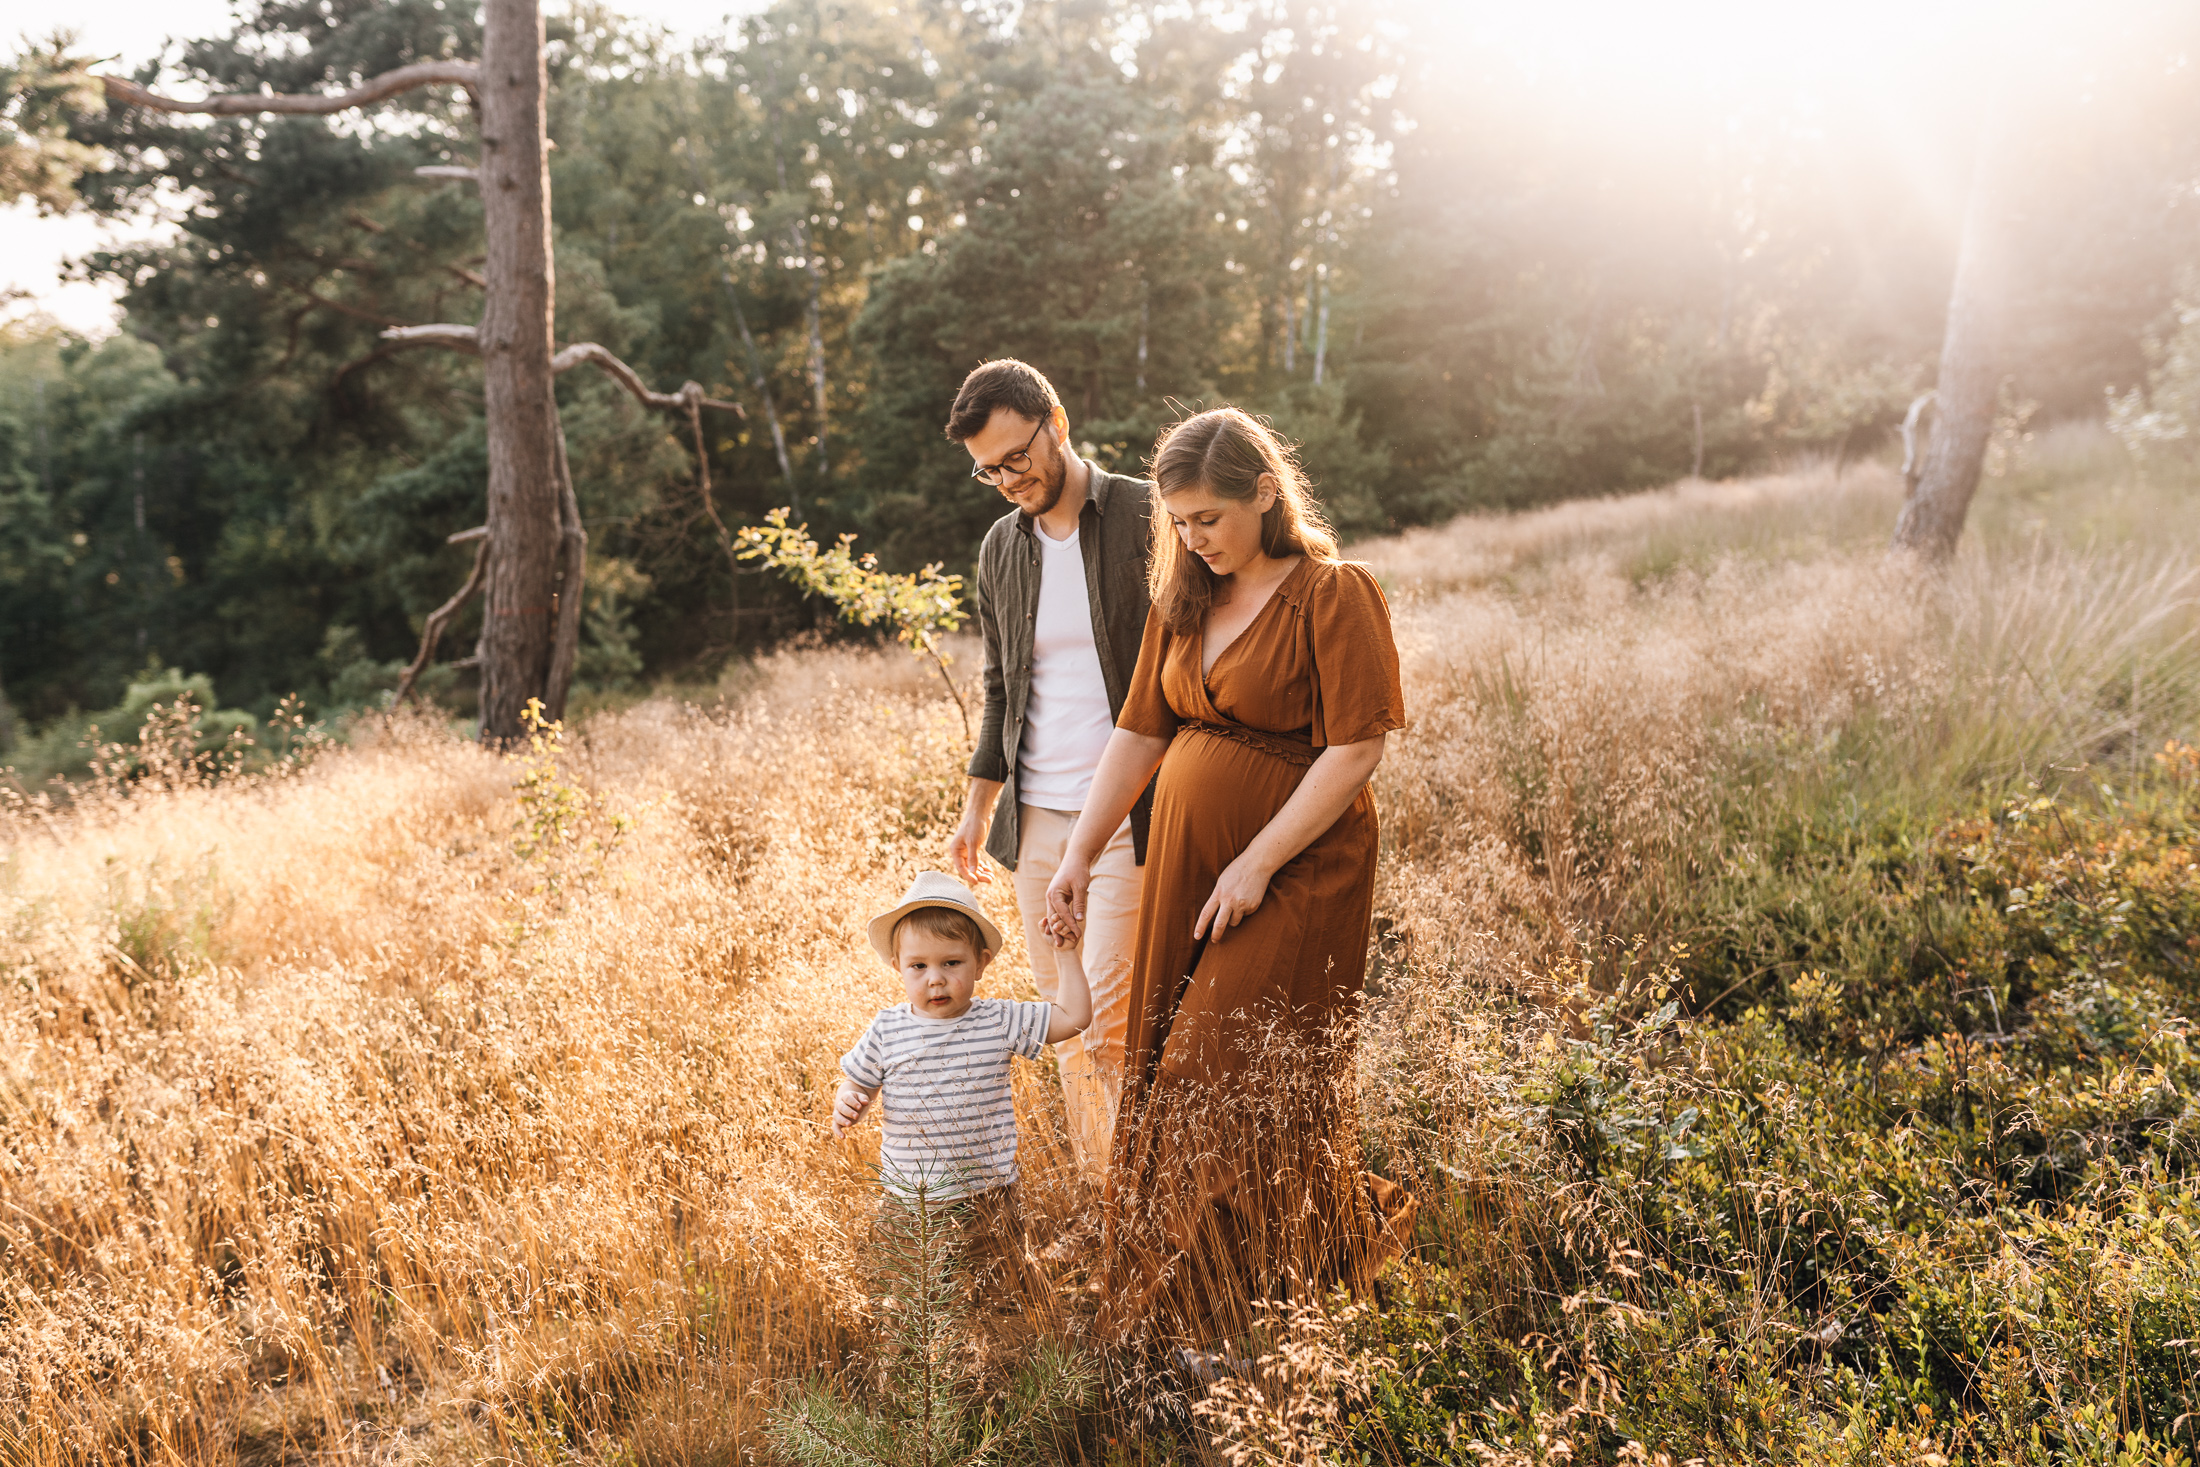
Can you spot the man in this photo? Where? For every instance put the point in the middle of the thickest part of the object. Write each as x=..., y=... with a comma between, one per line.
x=1062, y=608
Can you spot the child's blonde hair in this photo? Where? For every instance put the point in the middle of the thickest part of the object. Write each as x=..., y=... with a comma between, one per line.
x=943, y=922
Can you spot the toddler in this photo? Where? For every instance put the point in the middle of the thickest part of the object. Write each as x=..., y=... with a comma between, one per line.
x=939, y=1062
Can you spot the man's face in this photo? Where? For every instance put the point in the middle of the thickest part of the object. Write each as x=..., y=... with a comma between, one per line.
x=1039, y=487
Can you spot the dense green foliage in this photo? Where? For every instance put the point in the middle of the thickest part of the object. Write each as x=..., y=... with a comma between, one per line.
x=1926, y=1201
x=1459, y=279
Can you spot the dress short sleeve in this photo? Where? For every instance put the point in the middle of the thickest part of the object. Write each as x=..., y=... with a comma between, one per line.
x=1357, y=692
x=1146, y=708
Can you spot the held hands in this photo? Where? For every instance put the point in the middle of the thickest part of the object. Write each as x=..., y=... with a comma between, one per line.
x=1072, y=1002
x=1066, y=900
x=849, y=1104
x=1237, y=895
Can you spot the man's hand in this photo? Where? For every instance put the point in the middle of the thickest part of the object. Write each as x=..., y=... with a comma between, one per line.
x=966, y=851
x=1066, y=899
x=848, y=1107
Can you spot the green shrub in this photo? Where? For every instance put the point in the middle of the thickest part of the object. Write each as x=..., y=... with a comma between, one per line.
x=1923, y=1190
x=69, y=747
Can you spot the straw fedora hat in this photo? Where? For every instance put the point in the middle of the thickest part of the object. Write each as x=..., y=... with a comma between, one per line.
x=931, y=889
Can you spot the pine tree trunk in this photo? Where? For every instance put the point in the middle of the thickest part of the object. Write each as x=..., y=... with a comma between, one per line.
x=812, y=310
x=814, y=316
x=1972, y=363
x=526, y=529
x=763, y=386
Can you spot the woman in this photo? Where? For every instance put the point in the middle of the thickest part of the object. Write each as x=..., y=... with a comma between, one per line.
x=1265, y=687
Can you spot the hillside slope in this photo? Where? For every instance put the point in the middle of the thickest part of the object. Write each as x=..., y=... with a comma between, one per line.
x=419, y=1104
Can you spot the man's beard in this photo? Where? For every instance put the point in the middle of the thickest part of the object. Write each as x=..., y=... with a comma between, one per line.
x=1052, y=480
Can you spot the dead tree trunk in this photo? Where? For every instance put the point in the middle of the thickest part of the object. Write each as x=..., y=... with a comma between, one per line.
x=572, y=541
x=565, y=636
x=526, y=519
x=531, y=560
x=534, y=558
x=1917, y=428
x=1973, y=361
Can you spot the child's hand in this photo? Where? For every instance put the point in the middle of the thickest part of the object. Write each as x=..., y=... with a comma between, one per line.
x=848, y=1108
x=1060, y=929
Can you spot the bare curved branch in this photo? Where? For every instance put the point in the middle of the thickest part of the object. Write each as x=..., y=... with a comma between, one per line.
x=457, y=338
x=374, y=89
x=432, y=632
x=466, y=339
x=627, y=377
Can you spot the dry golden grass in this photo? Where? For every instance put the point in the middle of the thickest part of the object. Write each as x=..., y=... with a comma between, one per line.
x=333, y=1126
x=1584, y=679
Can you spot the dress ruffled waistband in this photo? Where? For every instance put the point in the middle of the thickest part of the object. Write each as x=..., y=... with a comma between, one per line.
x=1289, y=750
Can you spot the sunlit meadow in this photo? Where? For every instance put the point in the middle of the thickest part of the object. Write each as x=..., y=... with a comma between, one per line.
x=412, y=1103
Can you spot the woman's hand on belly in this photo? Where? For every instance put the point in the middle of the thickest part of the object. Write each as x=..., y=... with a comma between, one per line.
x=1237, y=895
x=1338, y=775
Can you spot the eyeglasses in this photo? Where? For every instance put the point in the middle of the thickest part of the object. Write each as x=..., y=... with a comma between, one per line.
x=1012, y=466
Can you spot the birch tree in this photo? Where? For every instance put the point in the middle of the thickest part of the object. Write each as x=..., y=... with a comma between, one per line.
x=1973, y=363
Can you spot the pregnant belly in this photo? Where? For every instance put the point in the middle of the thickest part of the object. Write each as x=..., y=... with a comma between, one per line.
x=1217, y=793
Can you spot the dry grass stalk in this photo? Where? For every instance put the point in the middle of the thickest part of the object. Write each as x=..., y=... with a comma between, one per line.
x=330, y=1124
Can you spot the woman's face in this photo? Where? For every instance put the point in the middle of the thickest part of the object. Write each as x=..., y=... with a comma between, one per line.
x=1225, y=533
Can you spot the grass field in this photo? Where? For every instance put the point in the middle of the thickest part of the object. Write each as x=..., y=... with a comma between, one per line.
x=1781, y=1005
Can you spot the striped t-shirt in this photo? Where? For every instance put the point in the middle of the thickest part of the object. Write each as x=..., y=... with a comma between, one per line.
x=942, y=1086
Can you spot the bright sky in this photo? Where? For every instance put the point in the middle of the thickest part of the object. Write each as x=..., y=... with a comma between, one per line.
x=1816, y=44
x=1867, y=51
x=33, y=251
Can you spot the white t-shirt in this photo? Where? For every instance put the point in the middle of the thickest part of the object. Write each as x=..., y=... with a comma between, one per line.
x=942, y=1086
x=1066, y=723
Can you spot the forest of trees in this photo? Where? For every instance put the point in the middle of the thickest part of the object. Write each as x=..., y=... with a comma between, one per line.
x=1455, y=282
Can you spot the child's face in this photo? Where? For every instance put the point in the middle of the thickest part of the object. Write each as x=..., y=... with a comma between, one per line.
x=939, y=973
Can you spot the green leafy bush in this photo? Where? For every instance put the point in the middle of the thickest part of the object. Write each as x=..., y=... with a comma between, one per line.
x=70, y=747
x=1933, y=1203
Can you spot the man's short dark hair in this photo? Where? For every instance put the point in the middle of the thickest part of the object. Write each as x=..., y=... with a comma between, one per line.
x=1007, y=383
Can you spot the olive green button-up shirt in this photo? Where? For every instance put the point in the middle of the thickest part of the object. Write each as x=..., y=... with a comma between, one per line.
x=1114, y=536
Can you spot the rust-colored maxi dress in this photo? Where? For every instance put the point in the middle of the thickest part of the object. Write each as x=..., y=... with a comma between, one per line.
x=1235, y=1164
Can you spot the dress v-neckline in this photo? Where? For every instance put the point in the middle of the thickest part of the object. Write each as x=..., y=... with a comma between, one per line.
x=1206, y=668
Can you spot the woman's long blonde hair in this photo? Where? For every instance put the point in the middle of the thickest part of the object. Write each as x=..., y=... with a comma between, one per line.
x=1226, y=450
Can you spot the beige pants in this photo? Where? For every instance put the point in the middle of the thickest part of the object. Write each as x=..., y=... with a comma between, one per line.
x=1091, y=1063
